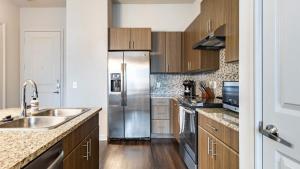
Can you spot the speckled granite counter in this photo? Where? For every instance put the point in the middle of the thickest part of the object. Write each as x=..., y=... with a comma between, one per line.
x=18, y=148
x=223, y=116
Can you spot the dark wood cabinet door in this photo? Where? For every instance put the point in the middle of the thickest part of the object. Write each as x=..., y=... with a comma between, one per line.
x=205, y=159
x=187, y=46
x=119, y=39
x=158, y=53
x=140, y=39
x=195, y=53
x=232, y=30
x=217, y=154
x=219, y=18
x=175, y=120
x=230, y=159
x=173, y=52
x=78, y=158
x=94, y=148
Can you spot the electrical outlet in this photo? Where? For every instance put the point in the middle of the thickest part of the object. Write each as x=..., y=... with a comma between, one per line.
x=158, y=84
x=75, y=85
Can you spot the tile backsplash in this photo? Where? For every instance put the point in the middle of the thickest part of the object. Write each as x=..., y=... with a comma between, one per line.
x=171, y=84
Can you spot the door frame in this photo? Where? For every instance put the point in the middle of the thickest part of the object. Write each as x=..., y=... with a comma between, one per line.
x=62, y=58
x=4, y=64
x=250, y=74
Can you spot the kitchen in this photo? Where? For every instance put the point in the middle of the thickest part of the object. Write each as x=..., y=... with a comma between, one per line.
x=161, y=84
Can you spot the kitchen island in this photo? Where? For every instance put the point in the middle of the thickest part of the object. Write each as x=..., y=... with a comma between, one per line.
x=19, y=147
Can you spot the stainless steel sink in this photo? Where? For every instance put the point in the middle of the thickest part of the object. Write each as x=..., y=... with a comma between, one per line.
x=61, y=112
x=44, y=120
x=35, y=123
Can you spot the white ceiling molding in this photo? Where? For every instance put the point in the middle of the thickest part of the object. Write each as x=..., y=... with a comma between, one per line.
x=40, y=3
x=153, y=1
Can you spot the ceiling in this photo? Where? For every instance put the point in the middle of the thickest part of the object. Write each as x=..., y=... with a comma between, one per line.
x=153, y=1
x=40, y=3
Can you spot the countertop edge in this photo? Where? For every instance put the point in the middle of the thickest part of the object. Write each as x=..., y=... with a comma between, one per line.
x=223, y=122
x=55, y=140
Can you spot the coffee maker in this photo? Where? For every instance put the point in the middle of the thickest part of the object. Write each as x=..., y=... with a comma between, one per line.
x=189, y=88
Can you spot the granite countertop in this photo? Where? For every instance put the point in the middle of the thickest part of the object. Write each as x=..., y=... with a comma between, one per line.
x=223, y=116
x=19, y=147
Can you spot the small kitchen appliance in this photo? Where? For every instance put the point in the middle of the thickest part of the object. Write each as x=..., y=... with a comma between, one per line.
x=189, y=88
x=231, y=95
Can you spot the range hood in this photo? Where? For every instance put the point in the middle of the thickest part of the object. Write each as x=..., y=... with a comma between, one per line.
x=214, y=41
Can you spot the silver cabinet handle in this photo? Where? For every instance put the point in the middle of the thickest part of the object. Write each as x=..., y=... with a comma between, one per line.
x=211, y=127
x=87, y=150
x=272, y=132
x=57, y=161
x=90, y=147
x=56, y=92
x=208, y=147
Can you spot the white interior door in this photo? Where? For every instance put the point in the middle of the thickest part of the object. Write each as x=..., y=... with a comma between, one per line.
x=281, y=84
x=42, y=63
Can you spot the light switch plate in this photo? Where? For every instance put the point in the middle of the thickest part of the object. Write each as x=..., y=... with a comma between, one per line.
x=75, y=85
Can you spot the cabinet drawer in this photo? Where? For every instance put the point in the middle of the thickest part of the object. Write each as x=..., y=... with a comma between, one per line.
x=160, y=112
x=160, y=101
x=161, y=126
x=79, y=134
x=213, y=127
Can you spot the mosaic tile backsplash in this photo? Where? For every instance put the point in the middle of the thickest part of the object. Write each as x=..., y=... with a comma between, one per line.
x=171, y=84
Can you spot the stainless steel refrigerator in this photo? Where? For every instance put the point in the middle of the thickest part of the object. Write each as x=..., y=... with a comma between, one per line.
x=129, y=95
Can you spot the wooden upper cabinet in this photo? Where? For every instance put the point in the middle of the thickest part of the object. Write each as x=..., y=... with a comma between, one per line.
x=173, y=52
x=213, y=15
x=158, y=59
x=232, y=30
x=140, y=39
x=130, y=39
x=119, y=38
x=166, y=54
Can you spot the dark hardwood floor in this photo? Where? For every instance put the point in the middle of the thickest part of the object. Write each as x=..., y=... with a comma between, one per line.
x=159, y=154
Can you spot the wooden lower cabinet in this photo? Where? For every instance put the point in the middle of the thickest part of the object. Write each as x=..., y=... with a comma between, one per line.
x=85, y=154
x=214, y=154
x=175, y=119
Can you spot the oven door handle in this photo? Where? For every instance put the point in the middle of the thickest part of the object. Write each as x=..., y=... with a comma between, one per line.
x=190, y=111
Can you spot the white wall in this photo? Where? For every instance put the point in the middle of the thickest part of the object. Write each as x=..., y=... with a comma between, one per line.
x=86, y=58
x=9, y=15
x=159, y=17
x=42, y=19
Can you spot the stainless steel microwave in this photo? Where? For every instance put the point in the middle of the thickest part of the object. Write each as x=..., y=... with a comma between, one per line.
x=230, y=93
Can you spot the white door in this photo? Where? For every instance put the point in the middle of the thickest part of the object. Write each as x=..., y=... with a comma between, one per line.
x=42, y=63
x=281, y=84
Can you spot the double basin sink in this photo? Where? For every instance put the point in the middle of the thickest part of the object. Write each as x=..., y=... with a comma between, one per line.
x=44, y=120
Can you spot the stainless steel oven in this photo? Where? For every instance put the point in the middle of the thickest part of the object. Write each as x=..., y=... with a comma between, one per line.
x=189, y=138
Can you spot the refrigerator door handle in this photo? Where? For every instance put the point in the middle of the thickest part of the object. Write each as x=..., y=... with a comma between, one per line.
x=125, y=83
x=122, y=84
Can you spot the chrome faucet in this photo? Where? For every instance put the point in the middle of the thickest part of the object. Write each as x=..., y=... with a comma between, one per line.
x=35, y=95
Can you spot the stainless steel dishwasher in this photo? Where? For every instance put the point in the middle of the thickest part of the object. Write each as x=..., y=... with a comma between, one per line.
x=51, y=159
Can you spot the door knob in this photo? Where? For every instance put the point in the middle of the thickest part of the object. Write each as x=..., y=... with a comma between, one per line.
x=272, y=132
